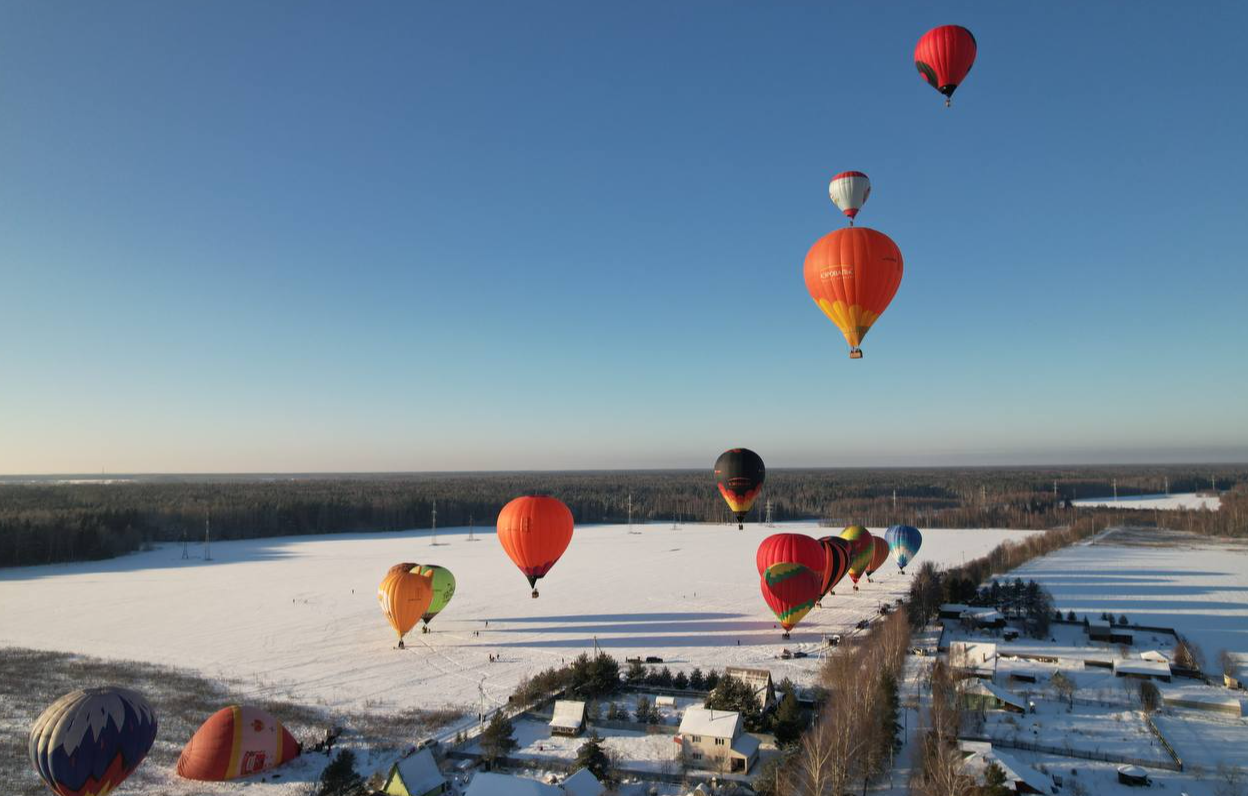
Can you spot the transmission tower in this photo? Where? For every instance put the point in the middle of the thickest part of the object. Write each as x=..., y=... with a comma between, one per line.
x=471, y=536
x=208, y=538
x=433, y=525
x=767, y=520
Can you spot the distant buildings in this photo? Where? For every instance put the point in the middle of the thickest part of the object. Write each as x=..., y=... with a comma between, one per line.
x=759, y=680
x=714, y=739
x=1142, y=670
x=486, y=783
x=975, y=658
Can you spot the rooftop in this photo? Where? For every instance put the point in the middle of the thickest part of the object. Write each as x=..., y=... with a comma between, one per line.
x=715, y=723
x=420, y=772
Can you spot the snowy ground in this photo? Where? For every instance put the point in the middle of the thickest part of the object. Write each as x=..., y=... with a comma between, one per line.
x=297, y=617
x=1197, y=585
x=1189, y=500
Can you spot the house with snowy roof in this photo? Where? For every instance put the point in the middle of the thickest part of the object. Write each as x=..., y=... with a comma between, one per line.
x=1021, y=777
x=984, y=695
x=415, y=775
x=715, y=739
x=568, y=718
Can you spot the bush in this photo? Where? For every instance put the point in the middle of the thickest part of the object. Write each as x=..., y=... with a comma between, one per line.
x=339, y=777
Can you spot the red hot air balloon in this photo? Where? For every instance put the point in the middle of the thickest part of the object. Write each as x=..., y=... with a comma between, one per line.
x=793, y=548
x=790, y=590
x=836, y=550
x=944, y=56
x=236, y=741
x=534, y=532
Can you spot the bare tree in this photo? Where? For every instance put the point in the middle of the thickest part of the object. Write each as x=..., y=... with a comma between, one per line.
x=1188, y=655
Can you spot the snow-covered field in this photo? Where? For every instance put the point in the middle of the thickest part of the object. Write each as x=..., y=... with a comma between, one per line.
x=297, y=617
x=1196, y=585
x=1189, y=500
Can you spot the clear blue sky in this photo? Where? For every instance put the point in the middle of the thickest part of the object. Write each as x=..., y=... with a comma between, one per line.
x=240, y=236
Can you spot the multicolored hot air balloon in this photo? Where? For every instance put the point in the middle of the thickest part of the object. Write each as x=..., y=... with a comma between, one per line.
x=836, y=551
x=879, y=554
x=404, y=596
x=236, y=741
x=853, y=274
x=790, y=591
x=534, y=531
x=795, y=548
x=87, y=742
x=944, y=56
x=404, y=567
x=443, y=584
x=849, y=191
x=904, y=542
x=739, y=473
x=860, y=551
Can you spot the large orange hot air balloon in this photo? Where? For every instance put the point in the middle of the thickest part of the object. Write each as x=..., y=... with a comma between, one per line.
x=535, y=531
x=879, y=554
x=853, y=274
x=404, y=598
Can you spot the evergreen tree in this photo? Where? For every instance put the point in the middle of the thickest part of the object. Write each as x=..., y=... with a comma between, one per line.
x=616, y=713
x=339, y=777
x=1070, y=616
x=697, y=680
x=645, y=711
x=681, y=681
x=665, y=677
x=636, y=672
x=995, y=782
x=712, y=680
x=592, y=756
x=788, y=720
x=496, y=740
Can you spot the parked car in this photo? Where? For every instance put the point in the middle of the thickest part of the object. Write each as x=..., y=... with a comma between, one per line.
x=653, y=659
x=864, y=624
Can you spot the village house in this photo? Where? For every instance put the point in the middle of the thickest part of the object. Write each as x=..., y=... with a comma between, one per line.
x=1142, y=670
x=415, y=775
x=714, y=739
x=568, y=719
x=983, y=695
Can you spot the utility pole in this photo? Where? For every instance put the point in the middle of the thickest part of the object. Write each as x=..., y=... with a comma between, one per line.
x=1115, y=490
x=434, y=525
x=471, y=537
x=208, y=537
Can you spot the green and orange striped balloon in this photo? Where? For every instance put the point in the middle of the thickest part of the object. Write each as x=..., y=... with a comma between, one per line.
x=790, y=591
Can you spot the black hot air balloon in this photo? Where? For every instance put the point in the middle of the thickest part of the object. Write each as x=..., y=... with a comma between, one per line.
x=739, y=473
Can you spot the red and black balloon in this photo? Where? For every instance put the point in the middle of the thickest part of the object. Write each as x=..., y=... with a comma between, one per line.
x=944, y=56
x=739, y=473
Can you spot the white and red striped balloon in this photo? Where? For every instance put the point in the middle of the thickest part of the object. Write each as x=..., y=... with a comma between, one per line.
x=849, y=191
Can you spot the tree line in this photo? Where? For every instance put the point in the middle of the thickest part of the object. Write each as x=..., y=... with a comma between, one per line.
x=43, y=523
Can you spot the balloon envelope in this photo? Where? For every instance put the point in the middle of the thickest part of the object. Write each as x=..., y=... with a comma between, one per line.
x=739, y=473
x=236, y=741
x=534, y=532
x=404, y=598
x=904, y=542
x=860, y=550
x=879, y=554
x=793, y=548
x=836, y=551
x=849, y=191
x=944, y=56
x=89, y=741
x=790, y=590
x=852, y=274
x=443, y=584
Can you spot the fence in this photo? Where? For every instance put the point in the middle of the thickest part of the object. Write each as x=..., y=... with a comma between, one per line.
x=1083, y=754
x=1170, y=749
